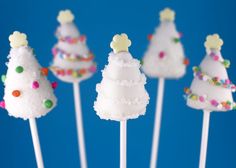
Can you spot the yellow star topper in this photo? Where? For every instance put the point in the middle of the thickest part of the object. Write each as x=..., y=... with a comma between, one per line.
x=167, y=15
x=120, y=43
x=213, y=42
x=65, y=16
x=18, y=39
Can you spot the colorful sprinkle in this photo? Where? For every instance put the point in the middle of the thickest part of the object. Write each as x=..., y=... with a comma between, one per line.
x=225, y=62
x=226, y=105
x=161, y=54
x=73, y=40
x=35, y=85
x=176, y=40
x=19, y=69
x=3, y=78
x=186, y=61
x=16, y=93
x=70, y=57
x=149, y=37
x=44, y=71
x=54, y=85
x=2, y=104
x=48, y=103
x=216, y=81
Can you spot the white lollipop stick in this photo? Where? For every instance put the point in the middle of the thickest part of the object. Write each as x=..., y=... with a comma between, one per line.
x=205, y=130
x=37, y=149
x=79, y=122
x=123, y=142
x=157, y=123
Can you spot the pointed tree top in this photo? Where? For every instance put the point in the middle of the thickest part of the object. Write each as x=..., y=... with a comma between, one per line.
x=120, y=43
x=18, y=39
x=65, y=16
x=167, y=15
x=213, y=42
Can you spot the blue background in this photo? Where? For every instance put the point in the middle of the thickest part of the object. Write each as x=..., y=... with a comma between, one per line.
x=100, y=20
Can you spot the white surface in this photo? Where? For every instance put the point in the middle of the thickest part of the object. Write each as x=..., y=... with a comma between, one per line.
x=205, y=131
x=35, y=138
x=30, y=102
x=79, y=122
x=171, y=66
x=123, y=144
x=157, y=123
x=121, y=93
x=200, y=87
x=79, y=48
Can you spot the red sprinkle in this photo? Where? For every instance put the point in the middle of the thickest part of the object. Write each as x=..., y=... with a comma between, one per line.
x=2, y=104
x=54, y=85
x=161, y=54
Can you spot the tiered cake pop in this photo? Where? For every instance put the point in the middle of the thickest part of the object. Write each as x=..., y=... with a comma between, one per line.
x=211, y=89
x=164, y=59
x=73, y=62
x=121, y=93
x=28, y=94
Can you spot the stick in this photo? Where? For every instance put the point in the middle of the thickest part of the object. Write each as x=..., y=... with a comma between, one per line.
x=79, y=122
x=157, y=123
x=205, y=130
x=123, y=137
x=37, y=149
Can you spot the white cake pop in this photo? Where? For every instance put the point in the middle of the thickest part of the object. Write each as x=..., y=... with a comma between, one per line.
x=73, y=62
x=165, y=55
x=211, y=88
x=28, y=93
x=121, y=93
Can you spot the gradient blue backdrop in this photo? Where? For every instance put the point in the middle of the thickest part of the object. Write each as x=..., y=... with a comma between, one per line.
x=100, y=20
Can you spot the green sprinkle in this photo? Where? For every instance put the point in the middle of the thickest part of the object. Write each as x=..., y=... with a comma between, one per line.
x=3, y=78
x=19, y=69
x=176, y=40
x=48, y=103
x=141, y=62
x=226, y=63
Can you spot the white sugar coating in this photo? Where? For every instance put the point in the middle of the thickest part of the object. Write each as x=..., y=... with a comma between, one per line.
x=171, y=64
x=30, y=103
x=72, y=49
x=200, y=87
x=67, y=30
x=121, y=93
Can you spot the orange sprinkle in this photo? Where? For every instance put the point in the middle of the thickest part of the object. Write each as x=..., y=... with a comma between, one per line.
x=44, y=71
x=82, y=71
x=149, y=36
x=16, y=93
x=186, y=61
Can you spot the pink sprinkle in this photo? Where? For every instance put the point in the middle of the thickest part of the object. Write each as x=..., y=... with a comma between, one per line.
x=202, y=99
x=54, y=85
x=227, y=81
x=54, y=51
x=161, y=54
x=93, y=69
x=35, y=85
x=215, y=58
x=82, y=38
x=180, y=34
x=214, y=102
x=2, y=104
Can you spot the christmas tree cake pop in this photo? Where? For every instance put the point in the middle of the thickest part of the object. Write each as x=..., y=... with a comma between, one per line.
x=165, y=55
x=121, y=93
x=211, y=89
x=28, y=93
x=73, y=61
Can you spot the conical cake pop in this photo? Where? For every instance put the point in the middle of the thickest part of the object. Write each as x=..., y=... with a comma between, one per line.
x=164, y=59
x=211, y=89
x=28, y=94
x=73, y=61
